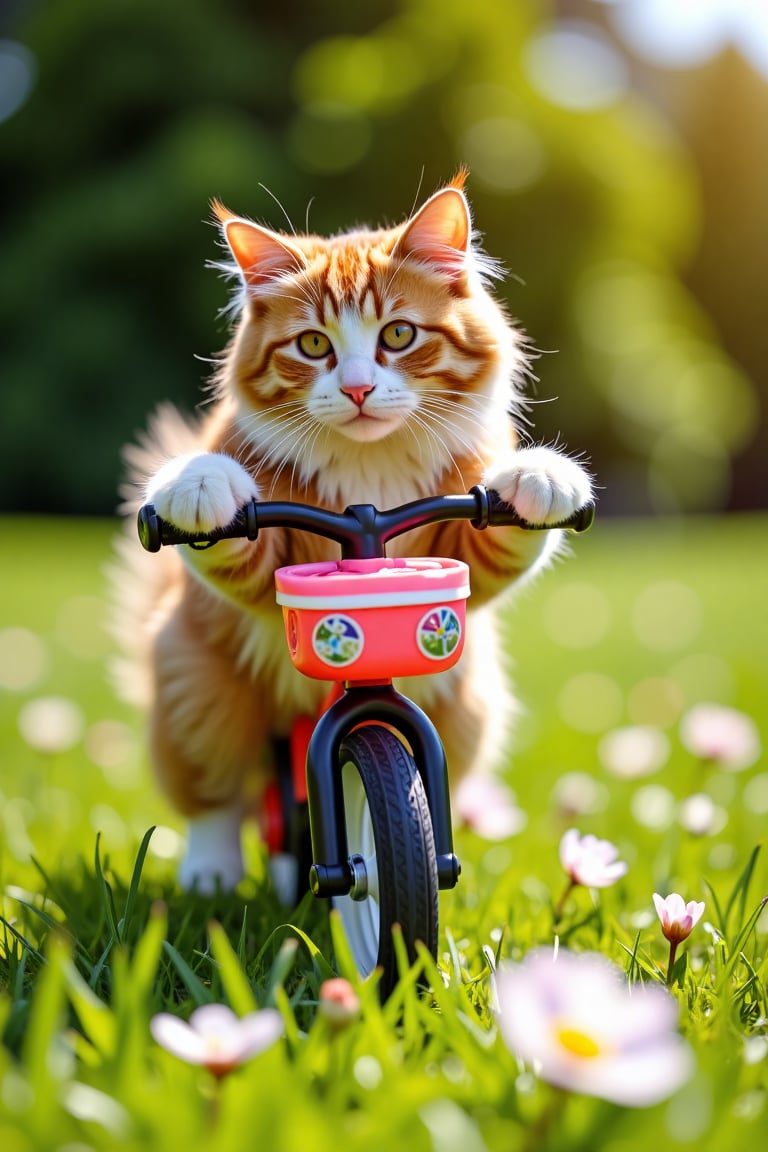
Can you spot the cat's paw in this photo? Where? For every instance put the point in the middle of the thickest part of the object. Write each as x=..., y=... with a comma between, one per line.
x=543, y=486
x=201, y=491
x=214, y=858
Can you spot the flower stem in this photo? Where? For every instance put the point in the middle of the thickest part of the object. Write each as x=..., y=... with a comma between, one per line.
x=558, y=912
x=671, y=964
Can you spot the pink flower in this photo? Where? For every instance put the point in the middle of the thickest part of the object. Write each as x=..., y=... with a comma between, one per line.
x=677, y=918
x=339, y=1003
x=720, y=735
x=677, y=922
x=575, y=1019
x=590, y=862
x=488, y=807
x=215, y=1037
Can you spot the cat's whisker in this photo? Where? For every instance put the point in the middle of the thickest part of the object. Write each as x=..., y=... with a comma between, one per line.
x=266, y=447
x=446, y=419
x=307, y=428
x=422, y=442
x=307, y=456
x=420, y=419
x=280, y=205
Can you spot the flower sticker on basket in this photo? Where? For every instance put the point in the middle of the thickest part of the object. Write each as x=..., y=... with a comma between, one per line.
x=438, y=633
x=337, y=640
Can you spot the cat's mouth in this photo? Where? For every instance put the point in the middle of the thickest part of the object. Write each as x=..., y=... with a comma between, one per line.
x=366, y=426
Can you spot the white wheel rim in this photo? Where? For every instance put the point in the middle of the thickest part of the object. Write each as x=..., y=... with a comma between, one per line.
x=360, y=917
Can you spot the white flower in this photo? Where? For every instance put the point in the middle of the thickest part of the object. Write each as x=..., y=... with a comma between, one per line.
x=637, y=750
x=215, y=1037
x=590, y=862
x=576, y=1020
x=720, y=735
x=488, y=806
x=677, y=918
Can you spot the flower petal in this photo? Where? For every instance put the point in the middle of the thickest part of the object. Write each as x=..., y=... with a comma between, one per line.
x=258, y=1031
x=215, y=1021
x=178, y=1038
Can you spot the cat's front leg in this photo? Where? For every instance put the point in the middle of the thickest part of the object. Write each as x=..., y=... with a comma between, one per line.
x=200, y=491
x=544, y=486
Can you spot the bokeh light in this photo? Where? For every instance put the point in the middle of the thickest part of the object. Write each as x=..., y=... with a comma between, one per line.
x=51, y=724
x=24, y=659
x=591, y=702
x=637, y=750
x=577, y=615
x=576, y=66
x=688, y=33
x=17, y=77
x=666, y=616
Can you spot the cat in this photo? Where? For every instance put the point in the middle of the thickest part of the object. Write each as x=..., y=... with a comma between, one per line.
x=374, y=366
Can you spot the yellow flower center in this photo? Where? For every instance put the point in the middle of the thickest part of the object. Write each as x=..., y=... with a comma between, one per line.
x=577, y=1043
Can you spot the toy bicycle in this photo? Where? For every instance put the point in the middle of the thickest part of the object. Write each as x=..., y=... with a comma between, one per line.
x=376, y=784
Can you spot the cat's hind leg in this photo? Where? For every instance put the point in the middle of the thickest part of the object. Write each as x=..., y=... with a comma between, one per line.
x=207, y=730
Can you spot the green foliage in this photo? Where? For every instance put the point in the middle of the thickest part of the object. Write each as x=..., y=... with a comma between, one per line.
x=141, y=112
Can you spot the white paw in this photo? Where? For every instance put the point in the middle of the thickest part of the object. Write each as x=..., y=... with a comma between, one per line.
x=544, y=486
x=200, y=491
x=214, y=859
x=284, y=872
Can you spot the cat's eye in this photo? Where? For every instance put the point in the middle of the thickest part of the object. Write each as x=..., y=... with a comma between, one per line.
x=316, y=345
x=397, y=336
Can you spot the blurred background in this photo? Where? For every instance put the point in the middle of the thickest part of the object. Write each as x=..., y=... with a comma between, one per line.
x=618, y=156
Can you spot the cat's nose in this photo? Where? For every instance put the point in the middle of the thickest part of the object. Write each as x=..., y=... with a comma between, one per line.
x=356, y=379
x=357, y=392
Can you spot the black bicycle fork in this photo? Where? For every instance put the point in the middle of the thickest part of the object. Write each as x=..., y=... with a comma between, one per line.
x=331, y=873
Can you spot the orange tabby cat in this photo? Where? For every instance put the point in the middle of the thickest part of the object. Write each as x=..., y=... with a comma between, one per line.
x=370, y=367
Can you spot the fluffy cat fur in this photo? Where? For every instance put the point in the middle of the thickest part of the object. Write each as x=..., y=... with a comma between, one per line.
x=374, y=366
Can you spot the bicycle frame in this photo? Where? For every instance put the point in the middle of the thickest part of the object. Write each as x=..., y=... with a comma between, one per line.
x=362, y=532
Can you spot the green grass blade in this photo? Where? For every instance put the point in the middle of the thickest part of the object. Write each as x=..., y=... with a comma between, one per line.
x=741, y=888
x=133, y=890
x=106, y=893
x=96, y=1019
x=233, y=978
x=191, y=982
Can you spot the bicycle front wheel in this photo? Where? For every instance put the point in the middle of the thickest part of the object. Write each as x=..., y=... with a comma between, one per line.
x=390, y=840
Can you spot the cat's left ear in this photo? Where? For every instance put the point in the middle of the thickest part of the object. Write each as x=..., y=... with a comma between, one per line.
x=260, y=254
x=440, y=233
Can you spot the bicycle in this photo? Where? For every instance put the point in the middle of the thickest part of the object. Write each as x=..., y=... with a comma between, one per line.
x=376, y=791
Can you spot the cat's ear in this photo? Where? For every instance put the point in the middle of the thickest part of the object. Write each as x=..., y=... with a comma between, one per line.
x=440, y=233
x=260, y=254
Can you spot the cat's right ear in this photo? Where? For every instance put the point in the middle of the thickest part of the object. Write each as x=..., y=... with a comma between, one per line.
x=262, y=256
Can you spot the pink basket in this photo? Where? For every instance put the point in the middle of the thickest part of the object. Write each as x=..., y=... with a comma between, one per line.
x=374, y=619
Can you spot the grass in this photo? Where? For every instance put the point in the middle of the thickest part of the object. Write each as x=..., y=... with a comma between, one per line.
x=643, y=622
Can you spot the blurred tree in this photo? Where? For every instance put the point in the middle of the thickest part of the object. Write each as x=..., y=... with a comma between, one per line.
x=345, y=112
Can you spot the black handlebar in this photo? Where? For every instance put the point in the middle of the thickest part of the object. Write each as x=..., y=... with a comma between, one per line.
x=361, y=529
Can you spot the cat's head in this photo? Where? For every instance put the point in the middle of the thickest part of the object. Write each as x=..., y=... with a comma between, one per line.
x=370, y=337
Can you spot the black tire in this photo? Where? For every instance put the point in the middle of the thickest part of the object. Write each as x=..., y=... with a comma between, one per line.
x=388, y=824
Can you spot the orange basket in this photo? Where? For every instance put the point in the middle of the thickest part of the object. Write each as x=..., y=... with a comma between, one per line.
x=374, y=619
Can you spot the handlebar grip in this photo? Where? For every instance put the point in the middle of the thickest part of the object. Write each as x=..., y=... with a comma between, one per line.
x=497, y=514
x=154, y=532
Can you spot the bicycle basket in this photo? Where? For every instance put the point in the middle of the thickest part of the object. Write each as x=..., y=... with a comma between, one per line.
x=374, y=619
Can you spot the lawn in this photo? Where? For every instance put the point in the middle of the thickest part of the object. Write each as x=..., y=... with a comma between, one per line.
x=611, y=652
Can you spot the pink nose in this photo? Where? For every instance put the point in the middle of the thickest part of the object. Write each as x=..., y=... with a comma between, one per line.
x=357, y=392
x=356, y=377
